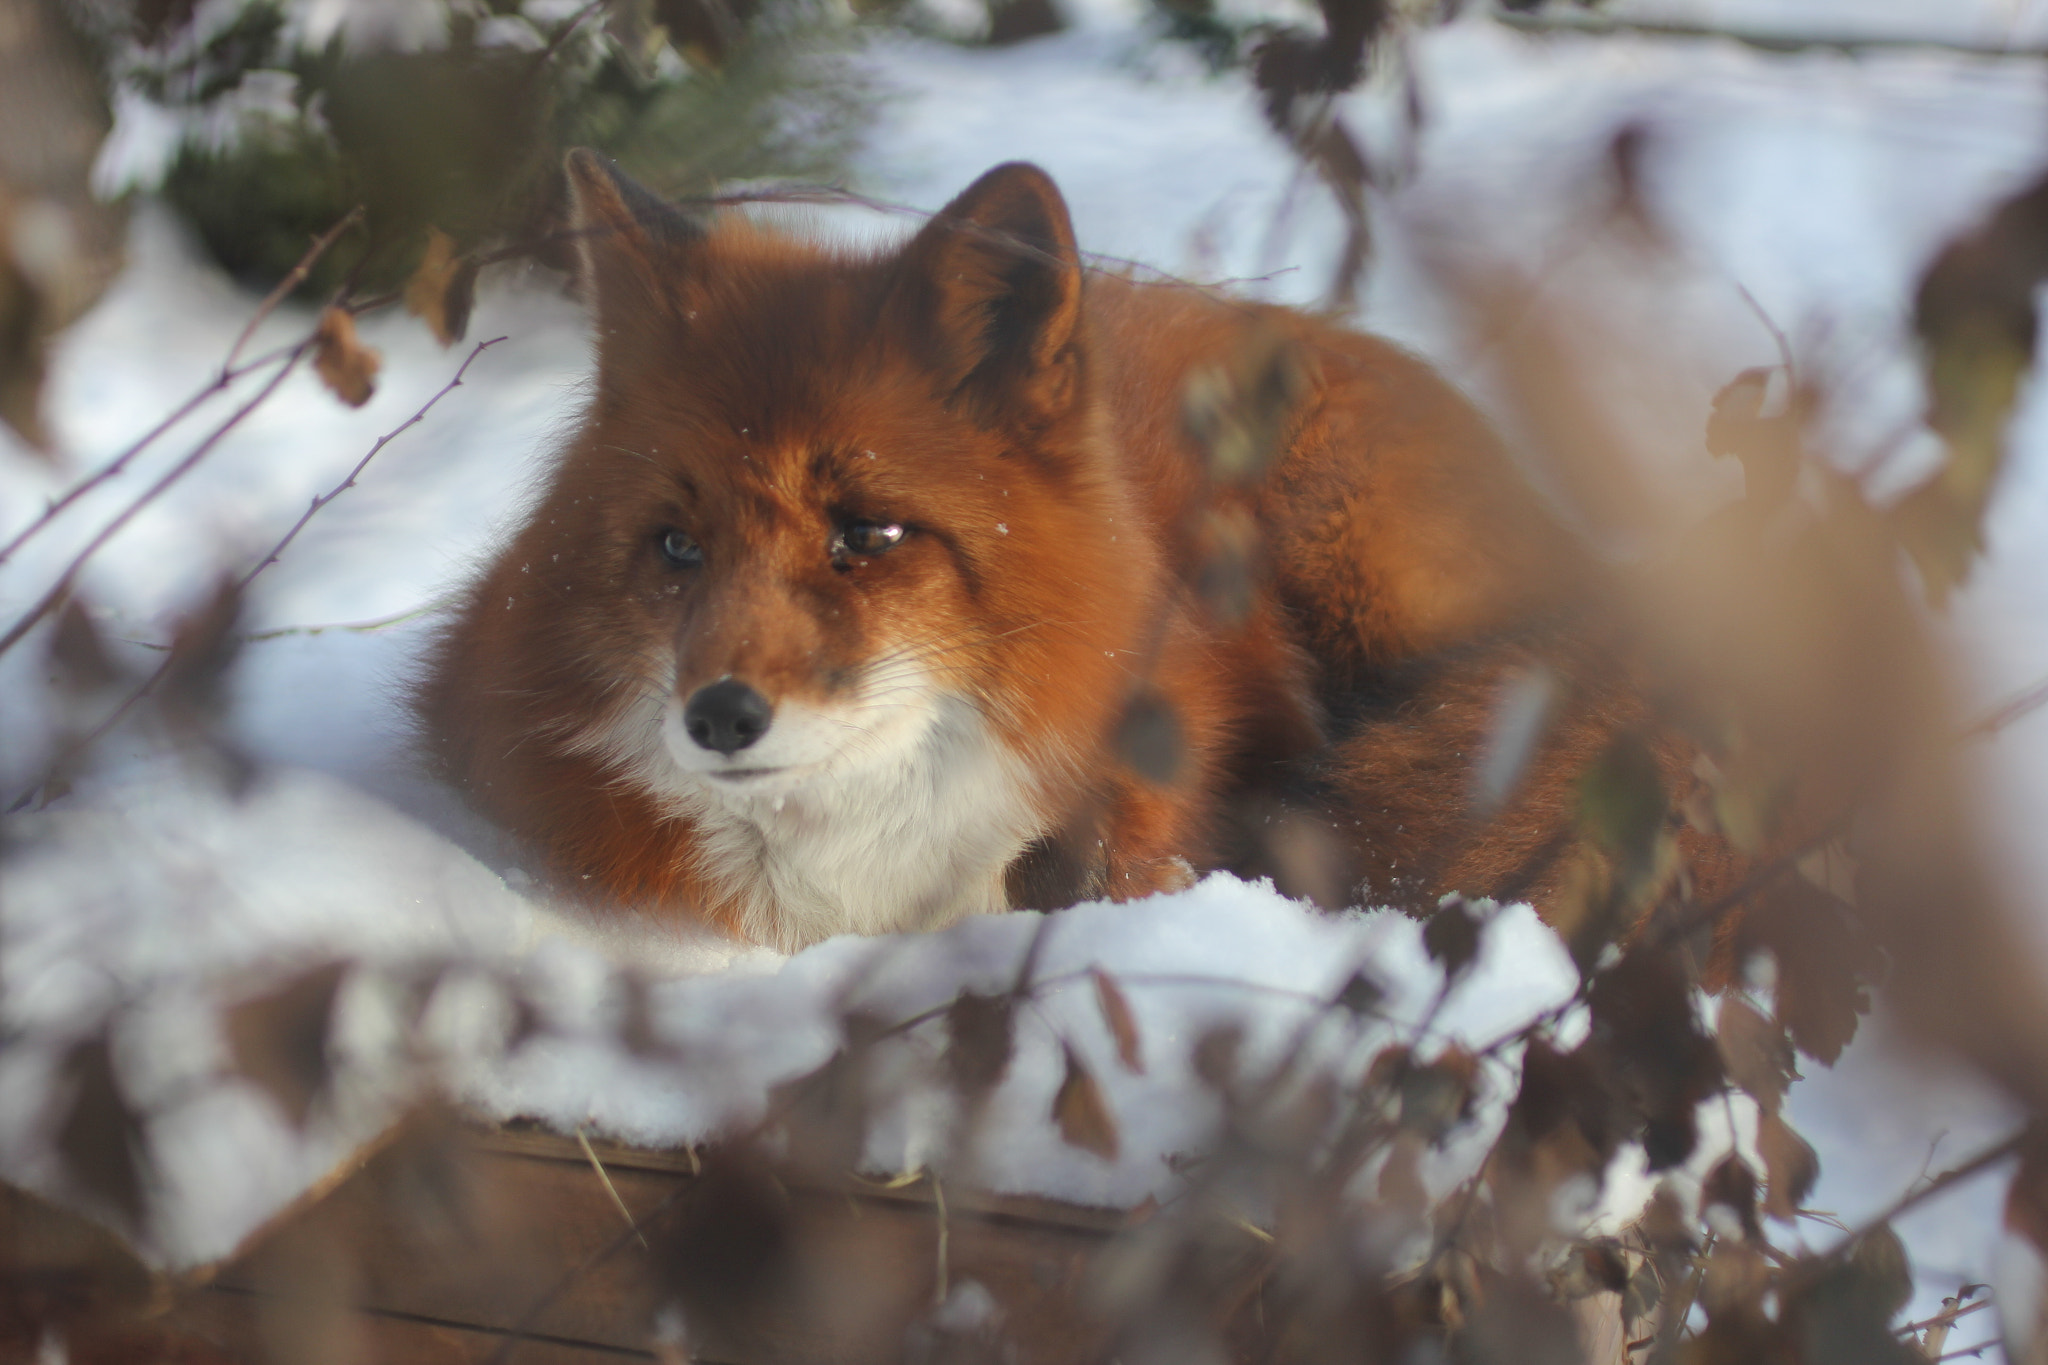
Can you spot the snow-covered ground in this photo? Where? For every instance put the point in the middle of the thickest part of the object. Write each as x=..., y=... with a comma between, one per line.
x=1820, y=183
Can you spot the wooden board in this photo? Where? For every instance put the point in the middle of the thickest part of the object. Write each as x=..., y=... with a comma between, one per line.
x=465, y=1245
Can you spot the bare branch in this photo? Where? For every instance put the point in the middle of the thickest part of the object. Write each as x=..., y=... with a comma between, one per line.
x=149, y=684
x=291, y=281
x=62, y=588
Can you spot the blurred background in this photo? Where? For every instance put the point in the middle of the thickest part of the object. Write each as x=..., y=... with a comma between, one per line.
x=1749, y=254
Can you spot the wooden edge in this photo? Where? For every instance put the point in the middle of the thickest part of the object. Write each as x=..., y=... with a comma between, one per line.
x=537, y=1145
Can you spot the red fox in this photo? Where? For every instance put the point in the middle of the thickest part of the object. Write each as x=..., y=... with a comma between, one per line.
x=844, y=601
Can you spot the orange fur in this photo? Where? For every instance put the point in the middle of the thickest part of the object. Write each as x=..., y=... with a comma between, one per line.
x=1021, y=421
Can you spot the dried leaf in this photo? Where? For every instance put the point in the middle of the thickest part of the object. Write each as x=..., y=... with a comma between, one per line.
x=1239, y=413
x=1400, y=1182
x=2026, y=1199
x=279, y=1040
x=1437, y=1097
x=1733, y=1287
x=1769, y=447
x=1622, y=804
x=1755, y=1052
x=1884, y=1274
x=343, y=363
x=1082, y=1113
x=1227, y=550
x=825, y=1112
x=979, y=1041
x=636, y=1020
x=442, y=288
x=101, y=1138
x=1732, y=1184
x=1597, y=1266
x=1646, y=1024
x=1825, y=964
x=193, y=689
x=1451, y=937
x=1642, y=1294
x=79, y=659
x=1790, y=1167
x=1216, y=1055
x=1149, y=739
x=1123, y=1025
x=1361, y=995
x=1975, y=314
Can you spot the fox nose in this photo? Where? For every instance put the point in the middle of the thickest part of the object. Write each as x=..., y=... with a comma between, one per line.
x=726, y=716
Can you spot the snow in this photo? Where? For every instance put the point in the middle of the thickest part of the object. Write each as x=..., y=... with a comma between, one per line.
x=1820, y=183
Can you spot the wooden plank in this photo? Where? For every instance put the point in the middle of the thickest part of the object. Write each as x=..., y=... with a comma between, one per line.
x=487, y=1234
x=264, y=1329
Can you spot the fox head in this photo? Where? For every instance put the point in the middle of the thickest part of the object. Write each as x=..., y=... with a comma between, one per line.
x=834, y=522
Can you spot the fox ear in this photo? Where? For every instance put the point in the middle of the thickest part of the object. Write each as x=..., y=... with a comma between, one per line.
x=630, y=242
x=991, y=292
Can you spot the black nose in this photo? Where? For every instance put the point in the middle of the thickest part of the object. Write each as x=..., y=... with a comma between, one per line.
x=727, y=716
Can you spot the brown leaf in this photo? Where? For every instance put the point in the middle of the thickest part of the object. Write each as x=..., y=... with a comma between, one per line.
x=1239, y=413
x=1437, y=1097
x=1754, y=1052
x=1216, y=1055
x=193, y=689
x=979, y=1041
x=1733, y=1185
x=825, y=1112
x=1451, y=937
x=1083, y=1114
x=1646, y=1025
x=442, y=289
x=279, y=1040
x=1733, y=1287
x=343, y=363
x=101, y=1139
x=78, y=657
x=1123, y=1025
x=1790, y=1167
x=1400, y=1182
x=1149, y=738
x=2026, y=1199
x=1769, y=447
x=636, y=1020
x=1825, y=964
x=1884, y=1276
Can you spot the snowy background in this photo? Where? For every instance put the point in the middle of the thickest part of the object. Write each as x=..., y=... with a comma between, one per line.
x=1820, y=182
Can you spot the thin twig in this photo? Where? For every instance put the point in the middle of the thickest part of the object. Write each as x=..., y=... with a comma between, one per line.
x=149, y=684
x=292, y=280
x=1990, y=1156
x=1945, y=1318
x=1759, y=879
x=368, y=627
x=517, y=1333
x=221, y=381
x=604, y=1179
x=940, y=1288
x=62, y=588
x=2025, y=704
x=1777, y=335
x=313, y=508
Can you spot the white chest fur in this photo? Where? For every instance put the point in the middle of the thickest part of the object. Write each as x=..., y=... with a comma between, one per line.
x=894, y=810
x=913, y=839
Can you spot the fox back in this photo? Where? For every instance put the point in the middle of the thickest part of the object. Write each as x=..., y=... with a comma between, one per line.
x=880, y=588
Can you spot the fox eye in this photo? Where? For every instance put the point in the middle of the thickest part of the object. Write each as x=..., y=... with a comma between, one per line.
x=865, y=538
x=681, y=549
